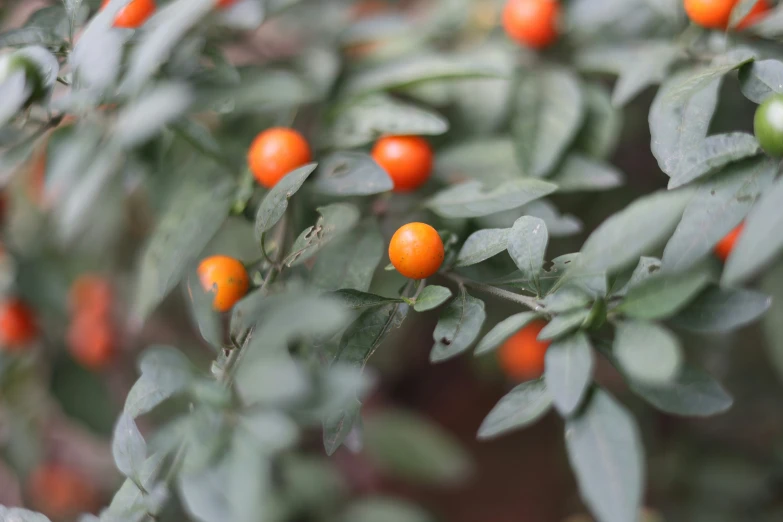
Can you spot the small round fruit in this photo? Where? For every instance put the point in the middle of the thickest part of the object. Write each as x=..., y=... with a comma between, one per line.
x=226, y=277
x=532, y=23
x=726, y=245
x=768, y=125
x=712, y=14
x=91, y=340
x=276, y=152
x=60, y=492
x=522, y=355
x=90, y=293
x=407, y=160
x=17, y=325
x=134, y=14
x=416, y=250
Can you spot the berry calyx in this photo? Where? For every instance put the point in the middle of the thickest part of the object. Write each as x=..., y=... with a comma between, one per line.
x=522, y=356
x=276, y=152
x=533, y=23
x=416, y=250
x=226, y=277
x=407, y=159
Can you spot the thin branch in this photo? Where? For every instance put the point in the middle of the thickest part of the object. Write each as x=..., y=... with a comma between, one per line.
x=524, y=300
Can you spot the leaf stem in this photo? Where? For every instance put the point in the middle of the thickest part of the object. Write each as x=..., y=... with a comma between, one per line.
x=524, y=300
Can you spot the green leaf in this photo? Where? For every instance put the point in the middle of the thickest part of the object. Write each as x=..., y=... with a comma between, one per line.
x=647, y=267
x=384, y=509
x=638, y=65
x=272, y=380
x=275, y=201
x=718, y=310
x=202, y=311
x=195, y=214
x=718, y=206
x=366, y=119
x=351, y=174
x=431, y=297
x=458, y=327
x=563, y=324
x=606, y=454
x=349, y=262
x=483, y=244
x=569, y=372
x=519, y=408
x=527, y=245
x=647, y=352
x=249, y=482
x=97, y=57
x=165, y=371
x=404, y=445
x=693, y=393
x=258, y=90
x=29, y=36
x=338, y=426
x=368, y=331
x=503, y=331
x=243, y=15
x=489, y=160
x=548, y=113
x=271, y=431
x=204, y=494
x=714, y=153
x=471, y=200
x=356, y=300
x=700, y=77
x=419, y=68
x=632, y=232
x=335, y=220
x=24, y=515
x=602, y=126
x=128, y=447
x=14, y=93
x=761, y=79
x=566, y=299
x=760, y=241
x=679, y=123
x=145, y=117
x=664, y=294
x=129, y=503
x=580, y=173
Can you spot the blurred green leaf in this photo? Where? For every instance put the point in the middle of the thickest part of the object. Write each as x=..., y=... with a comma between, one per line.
x=458, y=327
x=503, y=331
x=128, y=447
x=411, y=447
x=275, y=201
x=483, y=244
x=602, y=125
x=646, y=268
x=129, y=503
x=471, y=200
x=566, y=299
x=563, y=324
x=24, y=515
x=249, y=482
x=520, y=408
x=351, y=174
x=664, y=294
x=548, y=113
x=569, y=372
x=384, y=509
x=339, y=424
x=258, y=90
x=694, y=393
x=205, y=496
x=527, y=246
x=367, y=332
x=718, y=206
x=272, y=379
x=580, y=173
x=431, y=297
x=335, y=220
x=202, y=311
x=356, y=300
x=243, y=15
x=96, y=59
x=14, y=92
x=479, y=158
x=761, y=79
x=142, y=119
x=605, y=451
x=647, y=352
x=349, y=262
x=165, y=371
x=718, y=310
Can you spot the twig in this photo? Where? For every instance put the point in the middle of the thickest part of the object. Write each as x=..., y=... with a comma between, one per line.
x=524, y=300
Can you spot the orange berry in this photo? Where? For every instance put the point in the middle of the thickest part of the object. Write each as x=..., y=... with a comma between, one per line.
x=226, y=277
x=91, y=340
x=532, y=22
x=368, y=8
x=60, y=492
x=522, y=355
x=416, y=250
x=17, y=325
x=276, y=152
x=715, y=14
x=726, y=245
x=225, y=3
x=90, y=293
x=134, y=14
x=407, y=160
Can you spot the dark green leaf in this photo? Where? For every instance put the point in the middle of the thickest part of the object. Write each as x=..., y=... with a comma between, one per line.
x=431, y=297
x=714, y=153
x=482, y=245
x=548, y=113
x=722, y=310
x=647, y=352
x=602, y=126
x=503, y=331
x=563, y=324
x=356, y=300
x=471, y=200
x=335, y=220
x=368, y=331
x=410, y=447
x=458, y=326
x=128, y=447
x=663, y=295
x=527, y=245
x=716, y=208
x=521, y=407
x=580, y=173
x=349, y=262
x=606, y=454
x=275, y=202
x=694, y=393
x=569, y=371
x=351, y=174
x=761, y=79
